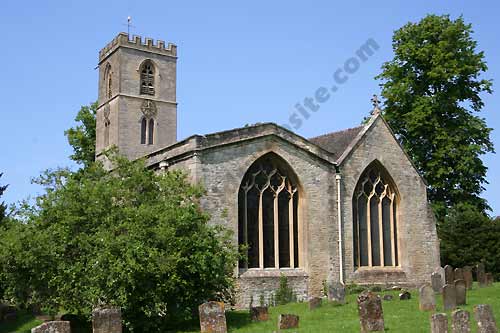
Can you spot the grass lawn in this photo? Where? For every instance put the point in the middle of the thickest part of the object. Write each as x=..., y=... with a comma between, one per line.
x=400, y=316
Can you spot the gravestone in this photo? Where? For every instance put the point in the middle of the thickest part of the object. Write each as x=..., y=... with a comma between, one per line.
x=485, y=319
x=481, y=275
x=427, y=299
x=449, y=275
x=336, y=292
x=371, y=316
x=437, y=282
x=468, y=277
x=259, y=313
x=212, y=317
x=287, y=321
x=314, y=303
x=440, y=271
x=461, y=292
x=53, y=327
x=489, y=279
x=107, y=320
x=439, y=323
x=449, y=297
x=460, y=321
x=458, y=274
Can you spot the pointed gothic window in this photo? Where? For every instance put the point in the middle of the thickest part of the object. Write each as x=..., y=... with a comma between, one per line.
x=143, y=130
x=108, y=81
x=375, y=210
x=147, y=78
x=151, y=128
x=268, y=203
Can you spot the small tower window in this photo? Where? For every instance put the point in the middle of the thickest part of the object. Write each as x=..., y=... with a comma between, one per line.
x=147, y=78
x=108, y=81
x=151, y=129
x=106, y=132
x=143, y=131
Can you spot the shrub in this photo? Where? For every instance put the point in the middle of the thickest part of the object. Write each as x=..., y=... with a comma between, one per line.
x=285, y=293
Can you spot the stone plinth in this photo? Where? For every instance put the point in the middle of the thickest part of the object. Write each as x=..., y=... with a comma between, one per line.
x=107, y=320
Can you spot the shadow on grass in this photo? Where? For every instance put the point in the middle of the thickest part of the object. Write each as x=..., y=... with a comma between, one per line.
x=23, y=324
x=238, y=319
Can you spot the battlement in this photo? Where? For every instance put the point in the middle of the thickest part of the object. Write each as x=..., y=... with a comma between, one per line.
x=123, y=40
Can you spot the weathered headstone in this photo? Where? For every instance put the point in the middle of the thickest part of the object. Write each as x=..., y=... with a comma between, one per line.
x=53, y=327
x=286, y=321
x=460, y=321
x=371, y=316
x=461, y=292
x=440, y=271
x=259, y=313
x=449, y=297
x=485, y=319
x=427, y=299
x=405, y=295
x=439, y=323
x=388, y=297
x=212, y=317
x=437, y=282
x=481, y=275
x=336, y=292
x=449, y=275
x=468, y=277
x=458, y=274
x=489, y=279
x=314, y=303
x=107, y=320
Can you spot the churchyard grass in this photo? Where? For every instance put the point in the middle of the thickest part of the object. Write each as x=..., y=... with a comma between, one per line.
x=400, y=316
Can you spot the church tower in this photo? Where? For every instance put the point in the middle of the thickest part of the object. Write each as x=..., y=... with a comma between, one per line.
x=137, y=96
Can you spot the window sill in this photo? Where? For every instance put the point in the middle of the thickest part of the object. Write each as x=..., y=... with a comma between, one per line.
x=271, y=272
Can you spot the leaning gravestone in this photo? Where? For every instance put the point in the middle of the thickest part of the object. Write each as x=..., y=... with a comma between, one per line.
x=461, y=291
x=449, y=275
x=212, y=317
x=449, y=297
x=336, y=292
x=404, y=296
x=53, y=327
x=468, y=277
x=458, y=274
x=437, y=282
x=427, y=299
x=439, y=323
x=314, y=303
x=371, y=316
x=481, y=275
x=259, y=313
x=107, y=320
x=485, y=319
x=440, y=271
x=460, y=321
x=287, y=321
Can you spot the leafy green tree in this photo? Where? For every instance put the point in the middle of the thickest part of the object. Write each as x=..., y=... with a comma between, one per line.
x=3, y=207
x=82, y=137
x=432, y=90
x=130, y=238
x=480, y=243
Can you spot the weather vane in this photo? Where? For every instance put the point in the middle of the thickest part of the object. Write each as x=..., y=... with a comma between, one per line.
x=376, y=105
x=129, y=24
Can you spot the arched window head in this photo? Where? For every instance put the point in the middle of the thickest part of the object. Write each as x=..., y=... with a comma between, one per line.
x=375, y=211
x=147, y=78
x=268, y=222
x=108, y=81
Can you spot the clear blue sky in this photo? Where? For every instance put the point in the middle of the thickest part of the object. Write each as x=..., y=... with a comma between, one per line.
x=239, y=62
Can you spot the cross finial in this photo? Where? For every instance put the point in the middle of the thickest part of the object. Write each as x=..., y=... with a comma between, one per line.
x=376, y=105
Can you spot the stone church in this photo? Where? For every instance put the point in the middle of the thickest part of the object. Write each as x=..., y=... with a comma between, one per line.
x=347, y=206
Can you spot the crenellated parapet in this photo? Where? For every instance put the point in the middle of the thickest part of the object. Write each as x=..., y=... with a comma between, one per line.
x=148, y=45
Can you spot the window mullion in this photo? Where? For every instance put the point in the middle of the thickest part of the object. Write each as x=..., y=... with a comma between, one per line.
x=369, y=230
x=381, y=233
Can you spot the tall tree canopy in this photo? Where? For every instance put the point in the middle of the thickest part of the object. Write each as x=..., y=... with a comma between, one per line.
x=432, y=90
x=3, y=208
x=82, y=136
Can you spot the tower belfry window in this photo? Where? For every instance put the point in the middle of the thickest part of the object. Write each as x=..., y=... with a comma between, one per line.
x=147, y=78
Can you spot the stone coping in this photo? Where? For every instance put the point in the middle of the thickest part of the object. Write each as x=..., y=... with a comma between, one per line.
x=272, y=272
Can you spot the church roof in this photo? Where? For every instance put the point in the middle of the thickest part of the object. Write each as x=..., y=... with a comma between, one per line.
x=337, y=142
